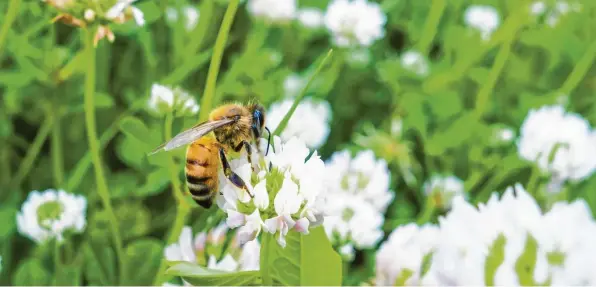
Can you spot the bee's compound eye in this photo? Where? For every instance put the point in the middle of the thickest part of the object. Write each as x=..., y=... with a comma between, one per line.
x=259, y=115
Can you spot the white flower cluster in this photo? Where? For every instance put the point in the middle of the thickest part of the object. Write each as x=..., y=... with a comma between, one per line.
x=359, y=187
x=483, y=18
x=311, y=17
x=205, y=247
x=415, y=62
x=355, y=22
x=443, y=189
x=273, y=10
x=165, y=100
x=310, y=121
x=287, y=193
x=119, y=10
x=557, y=245
x=402, y=255
x=553, y=15
x=50, y=214
x=190, y=16
x=550, y=128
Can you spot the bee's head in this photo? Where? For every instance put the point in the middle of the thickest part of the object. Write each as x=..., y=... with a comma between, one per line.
x=258, y=119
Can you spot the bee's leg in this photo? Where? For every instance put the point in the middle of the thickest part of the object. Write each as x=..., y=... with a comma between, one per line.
x=246, y=146
x=232, y=176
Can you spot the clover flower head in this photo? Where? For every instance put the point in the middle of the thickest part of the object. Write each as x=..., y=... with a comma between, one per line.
x=190, y=15
x=166, y=99
x=273, y=10
x=443, y=189
x=205, y=249
x=355, y=22
x=483, y=18
x=51, y=214
x=311, y=17
x=287, y=192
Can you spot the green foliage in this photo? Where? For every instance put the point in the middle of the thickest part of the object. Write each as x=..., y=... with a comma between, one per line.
x=306, y=260
x=449, y=118
x=199, y=276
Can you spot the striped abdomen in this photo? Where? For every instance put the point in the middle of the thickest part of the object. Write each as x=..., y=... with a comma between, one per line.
x=202, y=162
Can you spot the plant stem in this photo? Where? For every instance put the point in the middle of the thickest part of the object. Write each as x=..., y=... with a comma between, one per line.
x=32, y=153
x=183, y=208
x=284, y=122
x=509, y=27
x=11, y=15
x=432, y=23
x=579, y=71
x=428, y=211
x=57, y=156
x=220, y=42
x=264, y=259
x=102, y=186
x=57, y=261
x=483, y=96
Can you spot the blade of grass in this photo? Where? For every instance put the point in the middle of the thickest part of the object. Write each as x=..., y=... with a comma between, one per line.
x=220, y=42
x=284, y=122
x=208, y=94
x=11, y=15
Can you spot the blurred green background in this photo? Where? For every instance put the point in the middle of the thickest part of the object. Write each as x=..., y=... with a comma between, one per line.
x=450, y=116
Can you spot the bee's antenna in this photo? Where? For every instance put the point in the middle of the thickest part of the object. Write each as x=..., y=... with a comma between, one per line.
x=268, y=141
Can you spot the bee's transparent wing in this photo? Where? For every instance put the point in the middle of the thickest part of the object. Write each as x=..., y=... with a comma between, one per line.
x=192, y=134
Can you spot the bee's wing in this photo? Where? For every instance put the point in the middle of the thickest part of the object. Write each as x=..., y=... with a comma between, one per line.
x=192, y=134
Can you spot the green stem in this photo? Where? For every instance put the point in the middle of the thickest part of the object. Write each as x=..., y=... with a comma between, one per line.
x=284, y=122
x=102, y=186
x=428, y=211
x=33, y=152
x=11, y=15
x=483, y=96
x=195, y=43
x=57, y=262
x=183, y=207
x=57, y=156
x=509, y=27
x=432, y=23
x=220, y=43
x=264, y=259
x=580, y=70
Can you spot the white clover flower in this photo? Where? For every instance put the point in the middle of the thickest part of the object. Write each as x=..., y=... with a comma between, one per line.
x=286, y=197
x=505, y=135
x=191, y=16
x=310, y=121
x=118, y=10
x=355, y=22
x=553, y=14
x=415, y=62
x=359, y=187
x=165, y=99
x=293, y=84
x=551, y=127
x=483, y=18
x=404, y=252
x=273, y=10
x=311, y=17
x=443, y=189
x=51, y=214
x=563, y=236
x=238, y=256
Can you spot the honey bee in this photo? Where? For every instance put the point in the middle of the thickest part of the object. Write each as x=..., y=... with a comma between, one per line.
x=235, y=127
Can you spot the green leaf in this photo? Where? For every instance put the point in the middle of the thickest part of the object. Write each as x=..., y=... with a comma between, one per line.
x=103, y=100
x=494, y=259
x=7, y=217
x=68, y=275
x=526, y=263
x=307, y=260
x=135, y=128
x=157, y=180
x=143, y=258
x=200, y=276
x=99, y=266
x=31, y=273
